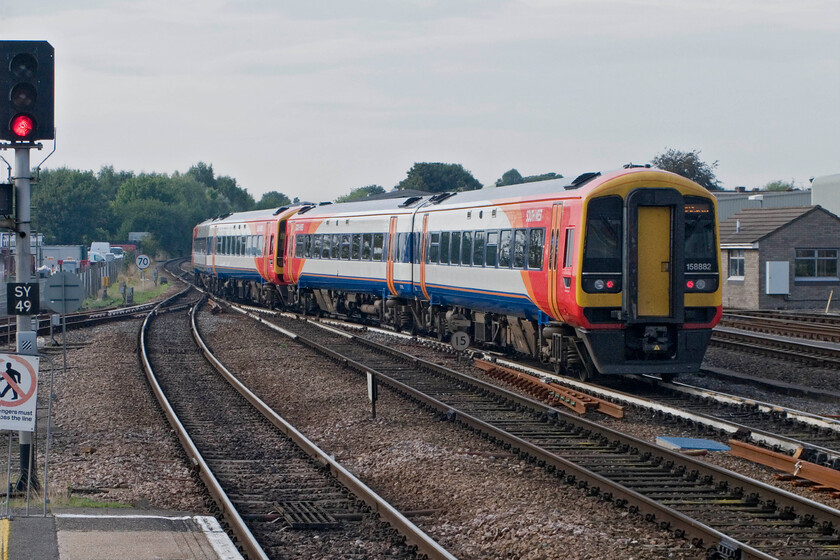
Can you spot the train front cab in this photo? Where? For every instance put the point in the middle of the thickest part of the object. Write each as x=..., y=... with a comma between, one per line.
x=652, y=257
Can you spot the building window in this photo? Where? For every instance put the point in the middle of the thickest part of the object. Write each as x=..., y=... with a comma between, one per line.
x=818, y=264
x=736, y=263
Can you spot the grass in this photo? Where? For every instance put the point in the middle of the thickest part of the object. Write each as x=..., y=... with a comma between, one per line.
x=144, y=290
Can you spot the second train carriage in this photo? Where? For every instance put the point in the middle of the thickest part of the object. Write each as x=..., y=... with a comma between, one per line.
x=608, y=274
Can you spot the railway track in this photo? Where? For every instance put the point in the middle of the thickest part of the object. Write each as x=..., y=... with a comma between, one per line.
x=730, y=515
x=814, y=438
x=811, y=353
x=279, y=495
x=775, y=427
x=810, y=327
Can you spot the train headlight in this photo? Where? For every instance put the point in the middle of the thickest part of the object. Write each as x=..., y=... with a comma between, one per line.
x=599, y=284
x=701, y=284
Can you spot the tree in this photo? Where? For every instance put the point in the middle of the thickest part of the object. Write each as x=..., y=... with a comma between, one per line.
x=779, y=186
x=238, y=198
x=70, y=207
x=689, y=165
x=512, y=177
x=439, y=177
x=360, y=193
x=272, y=199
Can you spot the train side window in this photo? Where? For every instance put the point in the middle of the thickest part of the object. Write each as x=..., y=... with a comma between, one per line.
x=316, y=246
x=307, y=246
x=570, y=247
x=378, y=246
x=401, y=254
x=535, y=248
x=335, y=248
x=367, y=241
x=504, y=248
x=520, y=238
x=444, y=247
x=434, y=247
x=356, y=247
x=298, y=246
x=455, y=252
x=492, y=248
x=325, y=246
x=478, y=248
x=466, y=248
x=345, y=247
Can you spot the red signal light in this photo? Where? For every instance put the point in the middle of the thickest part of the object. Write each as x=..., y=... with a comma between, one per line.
x=610, y=284
x=690, y=284
x=22, y=126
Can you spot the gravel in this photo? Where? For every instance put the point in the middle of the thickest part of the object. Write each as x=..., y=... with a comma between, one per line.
x=111, y=443
x=110, y=440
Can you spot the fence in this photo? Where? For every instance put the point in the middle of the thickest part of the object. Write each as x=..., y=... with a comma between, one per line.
x=93, y=279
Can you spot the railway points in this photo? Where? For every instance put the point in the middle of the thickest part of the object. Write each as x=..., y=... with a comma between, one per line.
x=408, y=337
x=343, y=348
x=265, y=476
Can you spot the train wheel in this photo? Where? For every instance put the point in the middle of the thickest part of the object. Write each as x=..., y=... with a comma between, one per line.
x=588, y=373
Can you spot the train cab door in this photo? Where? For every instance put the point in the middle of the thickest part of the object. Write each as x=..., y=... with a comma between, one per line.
x=653, y=264
x=555, y=259
x=268, y=252
x=392, y=255
x=278, y=251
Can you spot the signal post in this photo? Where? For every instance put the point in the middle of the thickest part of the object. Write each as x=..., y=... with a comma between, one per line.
x=27, y=73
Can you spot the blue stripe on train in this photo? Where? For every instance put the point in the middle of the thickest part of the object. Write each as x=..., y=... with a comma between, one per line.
x=493, y=302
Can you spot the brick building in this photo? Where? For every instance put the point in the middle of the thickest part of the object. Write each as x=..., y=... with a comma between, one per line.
x=780, y=258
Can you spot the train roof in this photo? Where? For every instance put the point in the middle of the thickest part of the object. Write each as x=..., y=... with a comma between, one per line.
x=577, y=186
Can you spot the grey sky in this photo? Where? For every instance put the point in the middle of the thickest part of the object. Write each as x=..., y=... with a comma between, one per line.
x=314, y=98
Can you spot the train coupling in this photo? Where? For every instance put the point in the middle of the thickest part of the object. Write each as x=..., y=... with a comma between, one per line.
x=656, y=340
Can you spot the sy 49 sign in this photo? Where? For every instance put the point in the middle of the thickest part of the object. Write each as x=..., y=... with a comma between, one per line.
x=23, y=298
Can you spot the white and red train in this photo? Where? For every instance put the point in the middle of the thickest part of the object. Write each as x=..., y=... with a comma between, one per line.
x=607, y=274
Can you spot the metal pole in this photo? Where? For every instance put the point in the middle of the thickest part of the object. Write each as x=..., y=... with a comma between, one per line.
x=22, y=266
x=49, y=430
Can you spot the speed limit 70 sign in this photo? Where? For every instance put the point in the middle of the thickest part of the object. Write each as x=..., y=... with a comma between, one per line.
x=142, y=262
x=23, y=298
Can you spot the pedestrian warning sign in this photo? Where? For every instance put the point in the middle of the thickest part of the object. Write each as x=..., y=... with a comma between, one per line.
x=18, y=391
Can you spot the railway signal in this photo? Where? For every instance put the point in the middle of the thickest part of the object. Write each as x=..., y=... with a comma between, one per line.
x=27, y=105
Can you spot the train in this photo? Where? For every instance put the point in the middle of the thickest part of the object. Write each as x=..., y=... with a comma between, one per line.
x=607, y=274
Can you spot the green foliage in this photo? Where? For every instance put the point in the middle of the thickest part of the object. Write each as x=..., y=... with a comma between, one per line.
x=360, y=193
x=72, y=207
x=272, y=199
x=439, y=177
x=238, y=199
x=779, y=186
x=689, y=165
x=513, y=177
x=69, y=206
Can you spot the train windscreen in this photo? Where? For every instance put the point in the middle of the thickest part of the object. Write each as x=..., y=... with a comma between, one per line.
x=602, y=248
x=700, y=243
